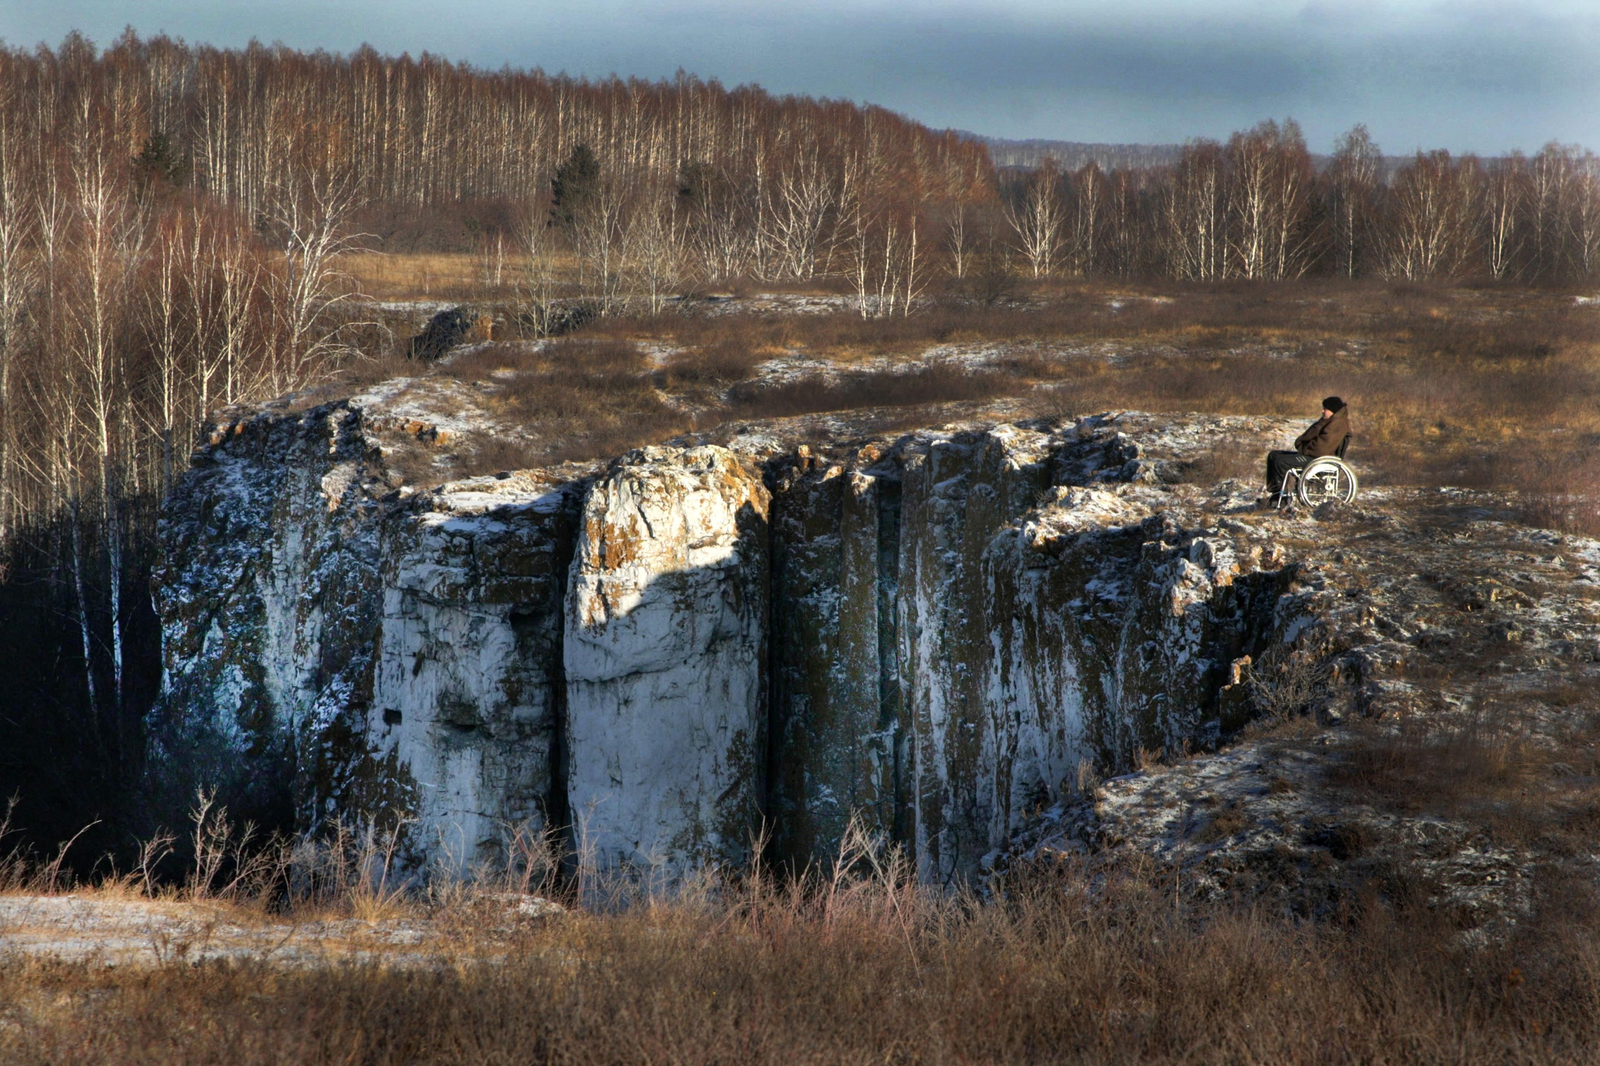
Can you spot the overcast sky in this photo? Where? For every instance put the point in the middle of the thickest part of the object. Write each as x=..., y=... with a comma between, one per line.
x=1468, y=75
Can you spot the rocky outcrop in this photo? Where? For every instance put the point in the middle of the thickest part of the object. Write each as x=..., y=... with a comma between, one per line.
x=666, y=639
x=448, y=329
x=1432, y=736
x=466, y=718
x=930, y=636
x=270, y=602
x=840, y=746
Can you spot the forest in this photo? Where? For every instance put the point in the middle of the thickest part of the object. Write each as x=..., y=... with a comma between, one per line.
x=178, y=225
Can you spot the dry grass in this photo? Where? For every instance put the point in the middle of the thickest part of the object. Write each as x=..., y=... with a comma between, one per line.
x=1061, y=962
x=587, y=398
x=1065, y=966
x=1490, y=389
x=1446, y=386
x=1560, y=486
x=1524, y=789
x=428, y=276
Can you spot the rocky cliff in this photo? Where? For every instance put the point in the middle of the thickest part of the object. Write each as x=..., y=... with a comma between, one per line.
x=939, y=634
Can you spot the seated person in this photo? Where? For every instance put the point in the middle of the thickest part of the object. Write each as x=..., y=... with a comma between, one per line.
x=1322, y=438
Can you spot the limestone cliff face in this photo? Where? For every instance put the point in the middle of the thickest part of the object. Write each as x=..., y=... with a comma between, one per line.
x=270, y=602
x=666, y=640
x=840, y=738
x=929, y=635
x=465, y=723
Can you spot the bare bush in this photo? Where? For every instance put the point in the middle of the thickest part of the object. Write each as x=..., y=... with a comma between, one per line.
x=1286, y=681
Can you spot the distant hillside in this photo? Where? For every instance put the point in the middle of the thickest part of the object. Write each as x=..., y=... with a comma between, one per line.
x=1074, y=154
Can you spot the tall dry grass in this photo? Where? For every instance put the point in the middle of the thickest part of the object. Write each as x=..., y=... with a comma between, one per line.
x=585, y=398
x=1064, y=964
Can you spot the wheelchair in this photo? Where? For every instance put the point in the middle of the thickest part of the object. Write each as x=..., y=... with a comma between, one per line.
x=1324, y=480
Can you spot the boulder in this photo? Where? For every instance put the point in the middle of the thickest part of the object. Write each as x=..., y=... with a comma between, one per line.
x=448, y=329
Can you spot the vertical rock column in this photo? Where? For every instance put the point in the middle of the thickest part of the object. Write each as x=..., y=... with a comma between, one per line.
x=959, y=492
x=466, y=710
x=836, y=721
x=665, y=658
x=269, y=598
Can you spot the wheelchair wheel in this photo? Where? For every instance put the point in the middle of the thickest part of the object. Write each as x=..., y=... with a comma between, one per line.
x=1326, y=480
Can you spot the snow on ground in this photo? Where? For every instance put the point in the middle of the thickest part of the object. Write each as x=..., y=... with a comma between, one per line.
x=134, y=931
x=449, y=407
x=786, y=303
x=793, y=367
x=659, y=353
x=421, y=307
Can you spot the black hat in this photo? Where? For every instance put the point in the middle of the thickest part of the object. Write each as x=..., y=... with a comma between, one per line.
x=1333, y=403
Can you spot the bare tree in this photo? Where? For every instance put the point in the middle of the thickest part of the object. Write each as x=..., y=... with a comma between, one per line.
x=536, y=281
x=1126, y=241
x=959, y=242
x=1551, y=188
x=1353, y=182
x=1039, y=218
x=1194, y=214
x=111, y=245
x=17, y=280
x=655, y=248
x=1431, y=213
x=1586, y=217
x=1501, y=204
x=801, y=199
x=162, y=308
x=1268, y=181
x=717, y=214
x=310, y=217
x=1090, y=190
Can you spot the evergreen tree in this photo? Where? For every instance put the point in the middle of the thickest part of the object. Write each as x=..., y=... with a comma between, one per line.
x=160, y=160
x=576, y=186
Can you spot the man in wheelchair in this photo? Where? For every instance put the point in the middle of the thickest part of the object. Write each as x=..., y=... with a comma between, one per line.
x=1315, y=468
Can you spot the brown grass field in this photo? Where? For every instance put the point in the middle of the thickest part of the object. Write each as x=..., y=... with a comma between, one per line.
x=1483, y=388
x=1062, y=965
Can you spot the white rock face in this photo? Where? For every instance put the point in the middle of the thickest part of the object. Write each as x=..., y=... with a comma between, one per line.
x=665, y=658
x=468, y=693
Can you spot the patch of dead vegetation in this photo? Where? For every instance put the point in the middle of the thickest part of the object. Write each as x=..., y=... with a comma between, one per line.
x=1527, y=789
x=1481, y=389
x=1068, y=963
x=582, y=398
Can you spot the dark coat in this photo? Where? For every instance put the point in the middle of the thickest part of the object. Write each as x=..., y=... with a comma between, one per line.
x=1325, y=434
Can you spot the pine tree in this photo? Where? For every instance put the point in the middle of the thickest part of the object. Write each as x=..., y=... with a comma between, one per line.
x=576, y=186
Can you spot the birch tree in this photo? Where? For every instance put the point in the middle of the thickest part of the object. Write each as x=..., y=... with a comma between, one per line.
x=17, y=279
x=1353, y=182
x=1038, y=218
x=310, y=217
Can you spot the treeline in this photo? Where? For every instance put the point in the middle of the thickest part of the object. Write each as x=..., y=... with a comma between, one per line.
x=1256, y=207
x=171, y=218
